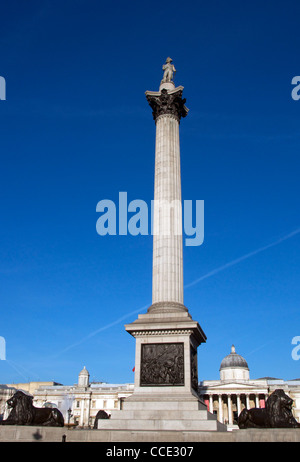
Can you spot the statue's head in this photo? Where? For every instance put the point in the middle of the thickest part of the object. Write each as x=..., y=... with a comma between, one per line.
x=169, y=60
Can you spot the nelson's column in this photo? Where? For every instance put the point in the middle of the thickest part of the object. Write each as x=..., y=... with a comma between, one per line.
x=166, y=378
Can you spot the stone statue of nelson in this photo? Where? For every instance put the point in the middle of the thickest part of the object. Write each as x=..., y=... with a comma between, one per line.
x=169, y=71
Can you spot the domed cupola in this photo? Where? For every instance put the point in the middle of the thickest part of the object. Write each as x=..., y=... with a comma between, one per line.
x=83, y=378
x=234, y=368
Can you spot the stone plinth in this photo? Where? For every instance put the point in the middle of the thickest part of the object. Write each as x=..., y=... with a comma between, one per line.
x=165, y=394
x=166, y=380
x=166, y=353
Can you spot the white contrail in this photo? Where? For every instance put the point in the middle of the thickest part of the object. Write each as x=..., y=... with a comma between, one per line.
x=101, y=329
x=14, y=366
x=260, y=347
x=244, y=257
x=205, y=276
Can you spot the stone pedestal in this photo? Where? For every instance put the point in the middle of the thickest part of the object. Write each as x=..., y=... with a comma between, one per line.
x=166, y=353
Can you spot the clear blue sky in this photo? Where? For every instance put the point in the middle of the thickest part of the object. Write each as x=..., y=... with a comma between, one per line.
x=76, y=128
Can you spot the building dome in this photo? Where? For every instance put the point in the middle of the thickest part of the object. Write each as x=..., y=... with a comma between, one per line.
x=234, y=367
x=234, y=360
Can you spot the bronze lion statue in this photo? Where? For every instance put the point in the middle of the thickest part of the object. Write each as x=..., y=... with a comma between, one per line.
x=24, y=413
x=276, y=414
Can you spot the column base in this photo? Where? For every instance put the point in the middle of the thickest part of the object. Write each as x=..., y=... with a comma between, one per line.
x=165, y=396
x=167, y=307
x=184, y=412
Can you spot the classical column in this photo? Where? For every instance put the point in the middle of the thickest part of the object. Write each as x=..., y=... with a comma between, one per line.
x=256, y=401
x=167, y=271
x=167, y=334
x=81, y=419
x=220, y=409
x=88, y=409
x=247, y=401
x=229, y=409
x=167, y=338
x=211, y=405
x=238, y=400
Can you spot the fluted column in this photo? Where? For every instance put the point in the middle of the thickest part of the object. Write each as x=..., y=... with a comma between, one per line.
x=167, y=274
x=167, y=220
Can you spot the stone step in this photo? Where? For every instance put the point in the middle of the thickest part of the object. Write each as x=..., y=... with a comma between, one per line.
x=154, y=414
x=159, y=425
x=151, y=404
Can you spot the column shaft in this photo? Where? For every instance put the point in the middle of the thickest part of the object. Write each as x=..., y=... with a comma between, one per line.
x=238, y=404
x=229, y=409
x=256, y=401
x=81, y=419
x=220, y=409
x=167, y=283
x=211, y=406
x=247, y=402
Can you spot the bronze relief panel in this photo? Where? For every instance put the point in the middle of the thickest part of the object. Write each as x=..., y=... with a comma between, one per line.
x=162, y=364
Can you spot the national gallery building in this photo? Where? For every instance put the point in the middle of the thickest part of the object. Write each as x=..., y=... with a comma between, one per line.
x=226, y=397
x=235, y=390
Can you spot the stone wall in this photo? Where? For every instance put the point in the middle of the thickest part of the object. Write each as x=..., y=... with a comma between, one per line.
x=49, y=434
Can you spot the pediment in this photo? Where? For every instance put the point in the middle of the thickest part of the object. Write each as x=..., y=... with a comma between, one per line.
x=231, y=386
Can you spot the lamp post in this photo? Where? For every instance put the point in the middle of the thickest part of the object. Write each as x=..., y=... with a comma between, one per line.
x=69, y=415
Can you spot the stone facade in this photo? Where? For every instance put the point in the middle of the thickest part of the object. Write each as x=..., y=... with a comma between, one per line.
x=227, y=397
x=84, y=402
x=84, y=399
